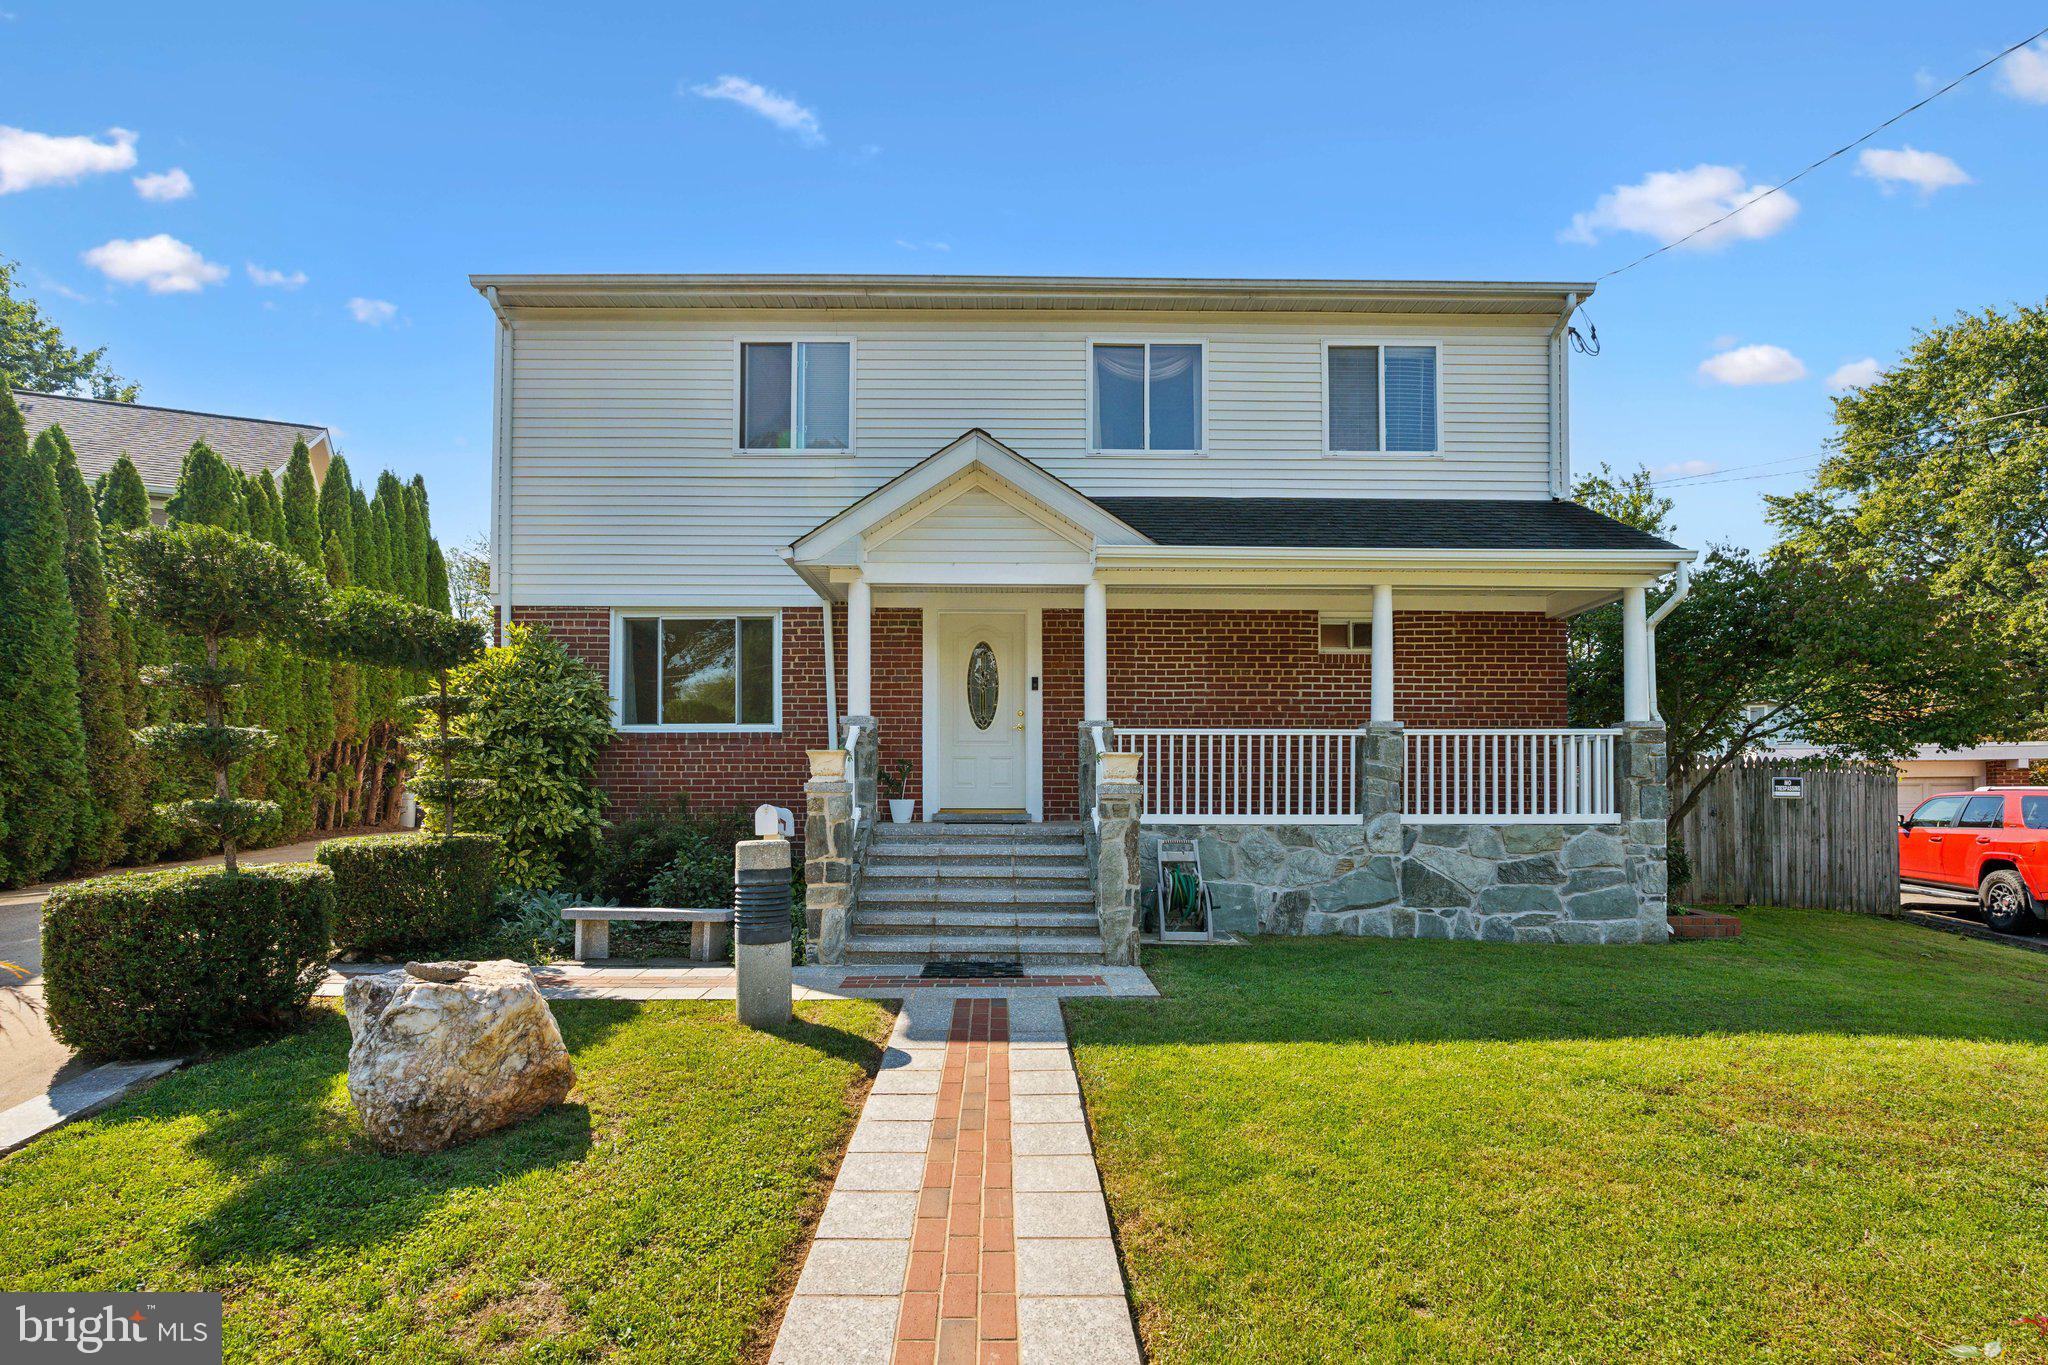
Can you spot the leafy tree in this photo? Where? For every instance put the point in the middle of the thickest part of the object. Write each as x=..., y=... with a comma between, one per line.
x=1937, y=480
x=539, y=718
x=469, y=579
x=113, y=801
x=209, y=492
x=216, y=586
x=1766, y=647
x=42, y=742
x=33, y=354
x=437, y=578
x=1631, y=499
x=122, y=500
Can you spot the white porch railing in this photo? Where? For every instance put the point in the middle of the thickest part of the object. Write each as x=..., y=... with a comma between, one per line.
x=1265, y=777
x=1510, y=776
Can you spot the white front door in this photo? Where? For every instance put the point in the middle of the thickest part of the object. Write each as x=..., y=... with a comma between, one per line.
x=982, y=704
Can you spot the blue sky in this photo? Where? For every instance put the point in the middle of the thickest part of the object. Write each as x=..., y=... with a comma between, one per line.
x=365, y=159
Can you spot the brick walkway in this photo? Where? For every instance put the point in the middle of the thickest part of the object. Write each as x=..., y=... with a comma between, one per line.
x=967, y=1222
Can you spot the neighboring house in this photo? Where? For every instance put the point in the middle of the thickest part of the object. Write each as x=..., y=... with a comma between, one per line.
x=1299, y=549
x=1931, y=770
x=158, y=439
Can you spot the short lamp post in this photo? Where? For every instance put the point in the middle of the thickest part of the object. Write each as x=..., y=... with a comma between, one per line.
x=761, y=931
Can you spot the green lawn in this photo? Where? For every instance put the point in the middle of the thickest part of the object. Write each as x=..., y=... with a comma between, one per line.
x=655, y=1217
x=1826, y=1140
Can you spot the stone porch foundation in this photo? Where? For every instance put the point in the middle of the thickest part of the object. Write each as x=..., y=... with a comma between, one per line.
x=1511, y=883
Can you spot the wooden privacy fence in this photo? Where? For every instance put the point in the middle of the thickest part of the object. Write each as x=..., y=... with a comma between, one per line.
x=1833, y=846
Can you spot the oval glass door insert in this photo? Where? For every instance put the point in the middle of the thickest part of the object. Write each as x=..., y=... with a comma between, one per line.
x=982, y=686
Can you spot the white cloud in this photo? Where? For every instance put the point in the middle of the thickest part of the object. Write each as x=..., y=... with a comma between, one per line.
x=372, y=312
x=171, y=184
x=1924, y=171
x=1684, y=469
x=780, y=110
x=1746, y=365
x=162, y=262
x=2024, y=75
x=30, y=160
x=265, y=278
x=1668, y=204
x=1856, y=374
x=909, y=245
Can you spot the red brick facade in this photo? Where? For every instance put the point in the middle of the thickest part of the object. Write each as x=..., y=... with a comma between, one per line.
x=1166, y=667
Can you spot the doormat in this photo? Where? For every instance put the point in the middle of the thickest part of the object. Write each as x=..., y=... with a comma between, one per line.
x=974, y=969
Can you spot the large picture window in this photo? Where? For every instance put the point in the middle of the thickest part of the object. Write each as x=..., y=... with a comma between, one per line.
x=698, y=672
x=796, y=395
x=1148, y=396
x=1382, y=398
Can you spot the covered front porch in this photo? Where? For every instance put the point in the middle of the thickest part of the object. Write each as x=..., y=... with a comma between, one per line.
x=1258, y=675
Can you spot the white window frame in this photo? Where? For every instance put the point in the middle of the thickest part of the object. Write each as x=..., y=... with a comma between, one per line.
x=621, y=615
x=1202, y=426
x=1336, y=618
x=793, y=340
x=1432, y=343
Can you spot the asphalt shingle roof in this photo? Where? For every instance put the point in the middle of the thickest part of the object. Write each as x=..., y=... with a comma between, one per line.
x=157, y=439
x=1379, y=524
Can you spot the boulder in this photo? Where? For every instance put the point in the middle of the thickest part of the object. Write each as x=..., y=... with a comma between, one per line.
x=447, y=1051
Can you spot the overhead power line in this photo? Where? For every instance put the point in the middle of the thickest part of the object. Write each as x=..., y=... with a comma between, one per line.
x=1803, y=463
x=1816, y=165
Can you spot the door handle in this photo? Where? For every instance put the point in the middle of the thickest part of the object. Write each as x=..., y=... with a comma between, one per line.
x=1983, y=838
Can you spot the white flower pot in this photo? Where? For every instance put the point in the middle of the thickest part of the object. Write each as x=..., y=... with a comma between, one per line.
x=902, y=810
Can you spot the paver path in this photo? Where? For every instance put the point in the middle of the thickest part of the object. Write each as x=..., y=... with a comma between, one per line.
x=967, y=1223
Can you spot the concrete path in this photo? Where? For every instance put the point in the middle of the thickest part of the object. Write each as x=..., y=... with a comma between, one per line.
x=967, y=1222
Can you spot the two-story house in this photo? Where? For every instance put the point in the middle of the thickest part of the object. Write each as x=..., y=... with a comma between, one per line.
x=1298, y=551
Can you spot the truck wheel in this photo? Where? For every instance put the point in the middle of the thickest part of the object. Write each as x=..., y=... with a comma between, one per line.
x=2007, y=907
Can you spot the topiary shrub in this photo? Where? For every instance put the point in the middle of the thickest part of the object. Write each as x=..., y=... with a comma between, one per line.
x=395, y=893
x=186, y=959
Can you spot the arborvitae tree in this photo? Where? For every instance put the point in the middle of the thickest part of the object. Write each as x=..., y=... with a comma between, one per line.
x=344, y=689
x=122, y=501
x=42, y=741
x=216, y=586
x=437, y=577
x=418, y=537
x=270, y=696
x=359, y=522
x=389, y=504
x=209, y=492
x=113, y=786
x=124, y=506
x=337, y=505
x=301, y=497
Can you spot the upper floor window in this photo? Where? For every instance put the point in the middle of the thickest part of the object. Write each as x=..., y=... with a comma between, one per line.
x=698, y=672
x=1148, y=395
x=1382, y=398
x=796, y=395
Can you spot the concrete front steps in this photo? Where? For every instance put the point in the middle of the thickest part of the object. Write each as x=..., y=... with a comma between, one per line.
x=1008, y=892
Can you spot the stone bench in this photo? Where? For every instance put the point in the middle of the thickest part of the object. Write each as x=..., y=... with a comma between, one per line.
x=710, y=930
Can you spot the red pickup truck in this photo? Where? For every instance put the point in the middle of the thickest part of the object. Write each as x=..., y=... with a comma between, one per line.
x=1992, y=842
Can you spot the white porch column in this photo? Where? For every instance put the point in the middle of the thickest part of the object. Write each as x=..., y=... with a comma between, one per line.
x=859, y=626
x=1382, y=654
x=1094, y=651
x=1636, y=682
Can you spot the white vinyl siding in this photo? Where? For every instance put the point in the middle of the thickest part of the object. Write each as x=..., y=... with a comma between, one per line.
x=977, y=527
x=626, y=488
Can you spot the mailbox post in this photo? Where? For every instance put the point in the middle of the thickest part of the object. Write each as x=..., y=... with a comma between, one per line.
x=761, y=931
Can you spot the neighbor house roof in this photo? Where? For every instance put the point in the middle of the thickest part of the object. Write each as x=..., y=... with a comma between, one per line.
x=1378, y=524
x=1029, y=291
x=157, y=439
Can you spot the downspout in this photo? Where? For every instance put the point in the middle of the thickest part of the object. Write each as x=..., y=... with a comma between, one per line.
x=501, y=466
x=1560, y=395
x=1680, y=586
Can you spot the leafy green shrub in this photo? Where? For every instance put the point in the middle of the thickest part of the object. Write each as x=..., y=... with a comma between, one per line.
x=526, y=926
x=173, y=961
x=539, y=718
x=396, y=893
x=690, y=852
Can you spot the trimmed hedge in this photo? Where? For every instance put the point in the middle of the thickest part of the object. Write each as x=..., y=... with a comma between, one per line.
x=175, y=961
x=395, y=893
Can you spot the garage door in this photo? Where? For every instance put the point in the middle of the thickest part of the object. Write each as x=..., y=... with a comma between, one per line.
x=1914, y=790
